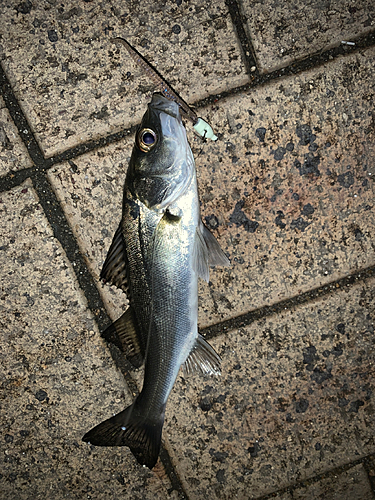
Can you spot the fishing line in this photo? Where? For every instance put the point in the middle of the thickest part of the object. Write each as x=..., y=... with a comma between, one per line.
x=200, y=126
x=158, y=80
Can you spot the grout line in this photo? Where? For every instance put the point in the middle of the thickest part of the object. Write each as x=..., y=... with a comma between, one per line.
x=176, y=483
x=64, y=234
x=15, y=111
x=314, y=479
x=248, y=51
x=309, y=62
x=246, y=319
x=86, y=147
x=15, y=178
x=368, y=468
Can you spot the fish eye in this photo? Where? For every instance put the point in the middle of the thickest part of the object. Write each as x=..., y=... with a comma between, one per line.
x=146, y=139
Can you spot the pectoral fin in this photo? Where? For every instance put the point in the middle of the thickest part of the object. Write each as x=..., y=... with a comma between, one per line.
x=216, y=257
x=126, y=330
x=202, y=359
x=114, y=268
x=207, y=252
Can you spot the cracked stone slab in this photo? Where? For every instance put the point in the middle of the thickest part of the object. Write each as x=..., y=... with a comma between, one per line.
x=74, y=84
x=285, y=32
x=295, y=399
x=13, y=153
x=57, y=378
x=353, y=483
x=287, y=189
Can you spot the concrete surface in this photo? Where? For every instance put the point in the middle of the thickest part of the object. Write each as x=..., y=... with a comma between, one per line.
x=74, y=84
x=295, y=398
x=283, y=32
x=288, y=191
x=13, y=153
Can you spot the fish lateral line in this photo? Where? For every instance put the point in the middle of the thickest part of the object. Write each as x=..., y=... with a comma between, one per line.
x=201, y=127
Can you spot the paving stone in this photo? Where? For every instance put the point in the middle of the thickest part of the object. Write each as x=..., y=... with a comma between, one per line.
x=13, y=153
x=74, y=84
x=283, y=32
x=276, y=189
x=349, y=485
x=90, y=192
x=296, y=398
x=57, y=378
x=288, y=188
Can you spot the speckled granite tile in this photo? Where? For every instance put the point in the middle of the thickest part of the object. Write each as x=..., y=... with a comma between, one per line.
x=13, y=153
x=289, y=186
x=352, y=484
x=90, y=192
x=74, y=84
x=288, y=189
x=296, y=398
x=283, y=32
x=57, y=379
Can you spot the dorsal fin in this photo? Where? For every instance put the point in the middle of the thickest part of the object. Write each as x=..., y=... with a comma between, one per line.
x=126, y=330
x=207, y=252
x=202, y=359
x=114, y=268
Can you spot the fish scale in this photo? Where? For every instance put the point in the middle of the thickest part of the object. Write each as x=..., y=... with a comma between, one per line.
x=138, y=246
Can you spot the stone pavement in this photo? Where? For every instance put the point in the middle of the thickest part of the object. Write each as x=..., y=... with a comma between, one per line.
x=288, y=190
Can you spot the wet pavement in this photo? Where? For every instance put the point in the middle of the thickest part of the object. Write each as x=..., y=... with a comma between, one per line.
x=288, y=190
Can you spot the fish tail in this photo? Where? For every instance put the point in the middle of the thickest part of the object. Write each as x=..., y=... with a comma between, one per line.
x=128, y=428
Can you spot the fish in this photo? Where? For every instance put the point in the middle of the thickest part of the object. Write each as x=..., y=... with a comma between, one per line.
x=158, y=252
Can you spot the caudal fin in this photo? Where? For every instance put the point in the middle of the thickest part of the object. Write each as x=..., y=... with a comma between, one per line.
x=127, y=428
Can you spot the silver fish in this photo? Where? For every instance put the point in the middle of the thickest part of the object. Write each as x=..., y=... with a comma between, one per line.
x=157, y=254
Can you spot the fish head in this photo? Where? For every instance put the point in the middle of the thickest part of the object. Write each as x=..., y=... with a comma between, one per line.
x=162, y=164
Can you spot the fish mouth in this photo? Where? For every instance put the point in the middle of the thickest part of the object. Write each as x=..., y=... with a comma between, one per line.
x=159, y=103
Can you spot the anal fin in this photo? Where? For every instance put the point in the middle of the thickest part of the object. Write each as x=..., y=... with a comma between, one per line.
x=125, y=329
x=114, y=268
x=202, y=359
